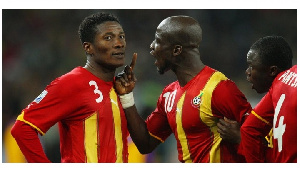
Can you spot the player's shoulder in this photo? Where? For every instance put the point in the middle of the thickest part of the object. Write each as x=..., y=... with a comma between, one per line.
x=215, y=75
x=221, y=78
x=294, y=68
x=75, y=73
x=285, y=81
x=172, y=86
x=227, y=86
x=70, y=79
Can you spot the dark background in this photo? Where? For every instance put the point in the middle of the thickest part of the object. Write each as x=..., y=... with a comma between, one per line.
x=40, y=45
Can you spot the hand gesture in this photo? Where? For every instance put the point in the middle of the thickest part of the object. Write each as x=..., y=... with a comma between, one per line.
x=125, y=81
x=229, y=130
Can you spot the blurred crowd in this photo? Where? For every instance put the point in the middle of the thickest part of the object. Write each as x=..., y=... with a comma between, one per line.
x=40, y=45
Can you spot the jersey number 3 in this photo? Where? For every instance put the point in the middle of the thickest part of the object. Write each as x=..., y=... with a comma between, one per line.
x=280, y=129
x=96, y=91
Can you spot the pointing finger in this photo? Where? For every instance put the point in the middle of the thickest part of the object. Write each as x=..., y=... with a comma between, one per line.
x=133, y=61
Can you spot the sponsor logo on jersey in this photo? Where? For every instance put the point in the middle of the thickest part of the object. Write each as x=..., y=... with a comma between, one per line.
x=196, y=101
x=40, y=97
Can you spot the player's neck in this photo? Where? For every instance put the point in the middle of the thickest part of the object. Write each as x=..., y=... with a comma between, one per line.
x=186, y=72
x=106, y=75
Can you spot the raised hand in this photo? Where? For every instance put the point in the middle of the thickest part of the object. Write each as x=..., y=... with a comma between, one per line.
x=125, y=81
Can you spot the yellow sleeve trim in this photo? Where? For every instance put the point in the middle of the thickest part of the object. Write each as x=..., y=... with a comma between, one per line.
x=21, y=118
x=260, y=118
x=158, y=138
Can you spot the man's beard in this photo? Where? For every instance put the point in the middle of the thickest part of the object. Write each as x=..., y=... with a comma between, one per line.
x=163, y=69
x=160, y=71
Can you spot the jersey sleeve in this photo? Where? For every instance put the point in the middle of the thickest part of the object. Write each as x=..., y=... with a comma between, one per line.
x=264, y=110
x=228, y=101
x=51, y=106
x=157, y=122
x=29, y=143
x=254, y=130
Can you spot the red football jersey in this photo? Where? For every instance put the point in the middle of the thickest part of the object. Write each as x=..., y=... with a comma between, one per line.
x=277, y=111
x=192, y=112
x=92, y=125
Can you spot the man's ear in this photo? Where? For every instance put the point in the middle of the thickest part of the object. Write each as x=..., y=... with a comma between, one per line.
x=88, y=48
x=177, y=50
x=274, y=70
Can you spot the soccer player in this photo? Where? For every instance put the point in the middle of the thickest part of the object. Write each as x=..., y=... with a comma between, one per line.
x=92, y=123
x=189, y=107
x=275, y=116
x=270, y=70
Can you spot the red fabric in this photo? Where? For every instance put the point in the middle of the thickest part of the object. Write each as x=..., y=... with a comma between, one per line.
x=228, y=101
x=252, y=145
x=29, y=143
x=283, y=96
x=226, y=98
x=76, y=101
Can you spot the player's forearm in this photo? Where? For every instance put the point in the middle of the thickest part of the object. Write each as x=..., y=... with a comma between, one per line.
x=138, y=130
x=136, y=125
x=29, y=143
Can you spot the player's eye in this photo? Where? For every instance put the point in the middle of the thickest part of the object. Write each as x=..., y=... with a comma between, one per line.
x=107, y=37
x=122, y=36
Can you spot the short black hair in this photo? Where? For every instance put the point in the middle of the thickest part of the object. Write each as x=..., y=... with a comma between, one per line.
x=274, y=50
x=88, y=27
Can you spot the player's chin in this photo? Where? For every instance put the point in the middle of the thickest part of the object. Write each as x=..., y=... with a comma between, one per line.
x=118, y=64
x=160, y=71
x=120, y=61
x=258, y=90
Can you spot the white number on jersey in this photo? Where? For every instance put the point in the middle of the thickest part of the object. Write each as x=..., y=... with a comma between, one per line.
x=280, y=129
x=96, y=91
x=169, y=100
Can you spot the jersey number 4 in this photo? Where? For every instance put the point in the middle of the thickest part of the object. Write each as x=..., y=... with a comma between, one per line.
x=280, y=129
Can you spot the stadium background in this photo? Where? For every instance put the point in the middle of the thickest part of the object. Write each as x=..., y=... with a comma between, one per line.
x=40, y=45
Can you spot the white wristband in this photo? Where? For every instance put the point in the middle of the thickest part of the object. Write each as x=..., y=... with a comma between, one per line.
x=127, y=100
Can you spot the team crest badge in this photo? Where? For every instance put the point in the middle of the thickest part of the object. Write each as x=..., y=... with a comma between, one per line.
x=196, y=101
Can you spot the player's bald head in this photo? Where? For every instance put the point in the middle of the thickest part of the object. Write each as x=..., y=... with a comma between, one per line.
x=181, y=30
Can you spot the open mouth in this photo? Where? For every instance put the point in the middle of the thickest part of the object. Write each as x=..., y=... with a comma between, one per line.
x=248, y=79
x=118, y=55
x=252, y=86
x=156, y=63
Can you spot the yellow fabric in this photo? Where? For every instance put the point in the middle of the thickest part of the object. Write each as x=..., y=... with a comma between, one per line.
x=207, y=116
x=134, y=155
x=21, y=118
x=117, y=124
x=13, y=153
x=180, y=131
x=91, y=138
x=158, y=138
x=269, y=138
x=260, y=118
